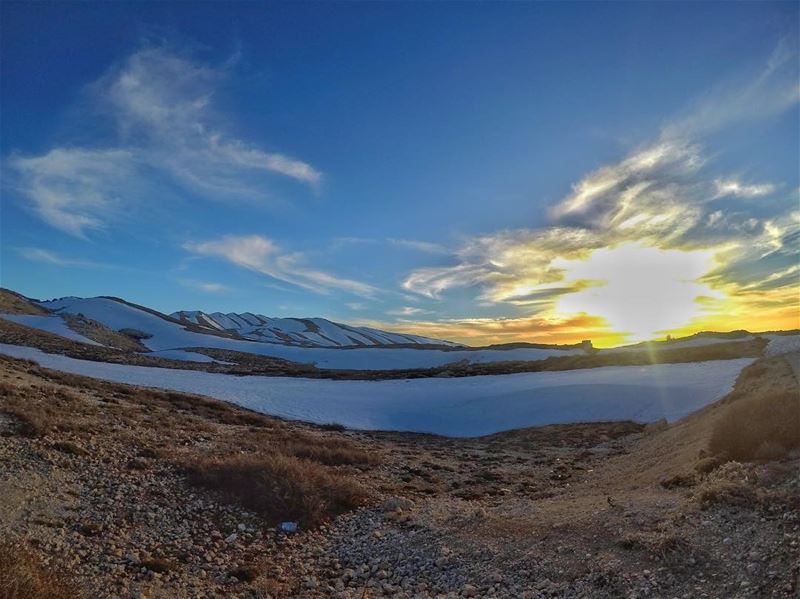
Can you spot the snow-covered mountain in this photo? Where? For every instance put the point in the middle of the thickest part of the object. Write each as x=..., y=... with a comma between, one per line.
x=380, y=351
x=311, y=332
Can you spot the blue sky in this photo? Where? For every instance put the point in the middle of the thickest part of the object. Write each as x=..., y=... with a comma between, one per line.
x=415, y=166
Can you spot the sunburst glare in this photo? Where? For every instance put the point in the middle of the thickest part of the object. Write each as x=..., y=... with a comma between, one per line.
x=638, y=290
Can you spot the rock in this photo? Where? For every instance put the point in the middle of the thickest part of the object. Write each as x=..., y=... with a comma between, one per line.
x=397, y=503
x=727, y=541
x=231, y=538
x=288, y=527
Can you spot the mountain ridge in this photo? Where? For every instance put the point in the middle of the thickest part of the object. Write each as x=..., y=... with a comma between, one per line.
x=314, y=332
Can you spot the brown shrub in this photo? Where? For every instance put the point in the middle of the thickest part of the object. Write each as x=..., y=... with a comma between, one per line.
x=660, y=543
x=23, y=576
x=39, y=410
x=707, y=464
x=333, y=426
x=30, y=422
x=728, y=493
x=325, y=450
x=279, y=487
x=759, y=425
x=157, y=564
x=679, y=480
x=69, y=447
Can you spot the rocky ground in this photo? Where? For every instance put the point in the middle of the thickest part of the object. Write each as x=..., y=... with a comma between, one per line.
x=96, y=483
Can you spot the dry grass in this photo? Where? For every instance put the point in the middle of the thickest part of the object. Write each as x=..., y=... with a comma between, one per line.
x=102, y=334
x=726, y=492
x=158, y=564
x=328, y=450
x=23, y=576
x=38, y=410
x=730, y=484
x=14, y=303
x=758, y=426
x=279, y=487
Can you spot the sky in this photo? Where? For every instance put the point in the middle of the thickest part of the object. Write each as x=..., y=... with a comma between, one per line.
x=480, y=172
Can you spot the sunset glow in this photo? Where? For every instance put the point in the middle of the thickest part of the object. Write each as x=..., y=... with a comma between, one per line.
x=639, y=291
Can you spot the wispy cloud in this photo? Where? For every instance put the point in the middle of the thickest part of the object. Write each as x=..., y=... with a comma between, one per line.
x=74, y=189
x=732, y=187
x=204, y=286
x=35, y=254
x=408, y=311
x=420, y=246
x=167, y=128
x=768, y=91
x=263, y=255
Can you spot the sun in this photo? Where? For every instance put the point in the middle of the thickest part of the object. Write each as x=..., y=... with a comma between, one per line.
x=640, y=291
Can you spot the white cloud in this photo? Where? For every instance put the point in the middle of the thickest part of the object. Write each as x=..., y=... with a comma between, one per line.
x=204, y=286
x=761, y=93
x=74, y=189
x=36, y=254
x=732, y=187
x=421, y=246
x=167, y=128
x=408, y=311
x=262, y=255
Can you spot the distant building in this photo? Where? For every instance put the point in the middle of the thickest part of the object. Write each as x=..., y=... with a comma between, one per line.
x=586, y=344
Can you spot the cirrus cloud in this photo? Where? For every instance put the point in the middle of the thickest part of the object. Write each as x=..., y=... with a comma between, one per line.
x=167, y=132
x=263, y=255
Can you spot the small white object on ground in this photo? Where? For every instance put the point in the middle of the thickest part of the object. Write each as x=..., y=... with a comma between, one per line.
x=288, y=527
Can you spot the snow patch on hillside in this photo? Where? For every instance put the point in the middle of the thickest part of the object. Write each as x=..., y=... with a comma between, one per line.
x=50, y=324
x=300, y=331
x=697, y=341
x=168, y=334
x=782, y=344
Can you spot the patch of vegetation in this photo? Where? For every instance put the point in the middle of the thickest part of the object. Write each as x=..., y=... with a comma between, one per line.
x=244, y=574
x=24, y=576
x=331, y=451
x=758, y=426
x=157, y=564
x=96, y=331
x=90, y=529
x=12, y=302
x=333, y=426
x=70, y=448
x=727, y=493
x=679, y=480
x=279, y=487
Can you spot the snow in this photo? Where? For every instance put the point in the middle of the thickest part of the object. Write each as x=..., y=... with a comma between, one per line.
x=467, y=406
x=179, y=354
x=50, y=324
x=167, y=334
x=258, y=327
x=698, y=341
x=782, y=344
